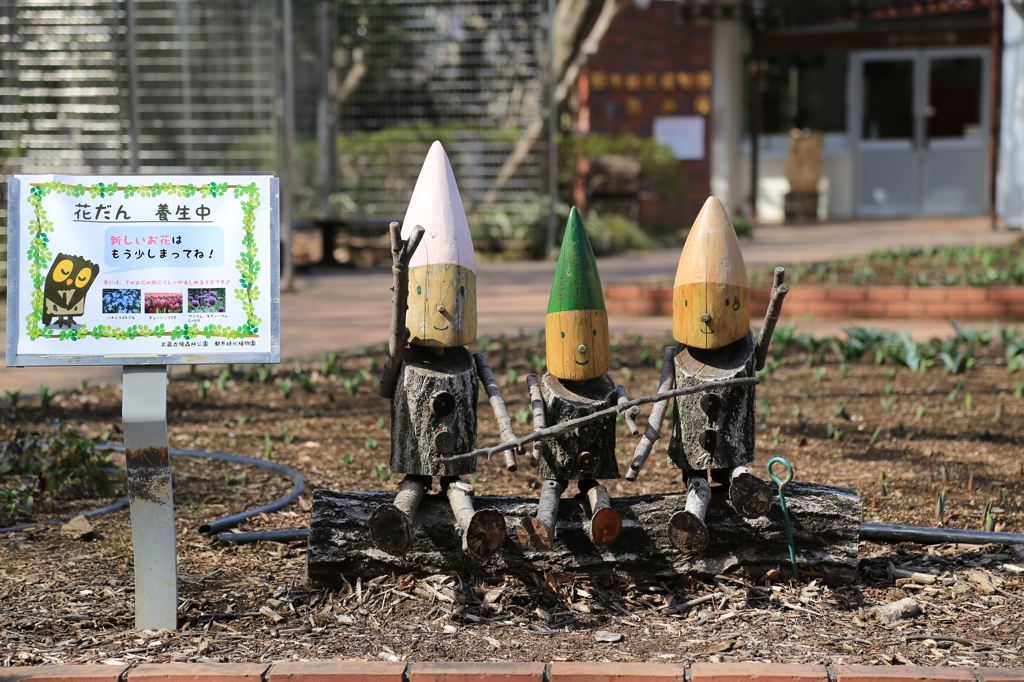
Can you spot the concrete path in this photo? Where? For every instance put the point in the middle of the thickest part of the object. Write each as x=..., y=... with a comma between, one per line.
x=347, y=309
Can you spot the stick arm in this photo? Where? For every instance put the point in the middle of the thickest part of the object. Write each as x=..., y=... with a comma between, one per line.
x=508, y=435
x=629, y=414
x=540, y=420
x=653, y=431
x=401, y=253
x=771, y=318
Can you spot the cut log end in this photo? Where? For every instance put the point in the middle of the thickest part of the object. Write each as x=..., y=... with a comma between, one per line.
x=605, y=526
x=751, y=497
x=534, y=535
x=688, y=533
x=391, y=530
x=485, y=534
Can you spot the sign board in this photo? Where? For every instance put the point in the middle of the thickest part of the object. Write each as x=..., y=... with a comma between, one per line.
x=684, y=135
x=137, y=270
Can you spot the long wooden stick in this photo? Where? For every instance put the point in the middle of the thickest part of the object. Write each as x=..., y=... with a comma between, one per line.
x=500, y=410
x=540, y=419
x=567, y=426
x=631, y=412
x=653, y=431
x=771, y=318
x=401, y=254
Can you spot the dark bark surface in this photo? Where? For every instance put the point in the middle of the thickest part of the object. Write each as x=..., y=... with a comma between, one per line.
x=568, y=400
x=719, y=435
x=434, y=404
x=826, y=522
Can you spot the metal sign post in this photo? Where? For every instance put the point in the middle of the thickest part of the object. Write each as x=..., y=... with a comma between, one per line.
x=144, y=413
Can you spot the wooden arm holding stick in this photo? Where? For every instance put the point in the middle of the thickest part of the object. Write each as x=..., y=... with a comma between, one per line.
x=540, y=419
x=653, y=432
x=771, y=318
x=567, y=426
x=631, y=413
x=508, y=435
x=401, y=254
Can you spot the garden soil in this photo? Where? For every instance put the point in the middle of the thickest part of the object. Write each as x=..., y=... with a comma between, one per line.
x=900, y=438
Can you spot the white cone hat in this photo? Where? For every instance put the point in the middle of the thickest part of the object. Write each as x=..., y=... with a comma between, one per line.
x=437, y=206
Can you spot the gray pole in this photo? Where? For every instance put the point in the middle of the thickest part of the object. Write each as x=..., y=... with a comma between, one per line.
x=144, y=420
x=552, y=139
x=288, y=171
x=324, y=115
x=134, y=164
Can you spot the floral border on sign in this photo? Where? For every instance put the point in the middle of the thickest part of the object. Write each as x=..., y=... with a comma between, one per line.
x=248, y=265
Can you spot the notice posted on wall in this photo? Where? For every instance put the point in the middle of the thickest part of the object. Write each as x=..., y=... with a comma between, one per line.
x=143, y=269
x=684, y=135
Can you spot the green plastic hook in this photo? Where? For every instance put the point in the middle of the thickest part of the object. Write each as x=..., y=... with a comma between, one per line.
x=782, y=483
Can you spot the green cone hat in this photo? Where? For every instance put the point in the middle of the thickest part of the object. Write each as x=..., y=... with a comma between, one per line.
x=576, y=285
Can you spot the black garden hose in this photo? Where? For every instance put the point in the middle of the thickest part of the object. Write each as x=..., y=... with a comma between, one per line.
x=289, y=535
x=296, y=476
x=882, y=532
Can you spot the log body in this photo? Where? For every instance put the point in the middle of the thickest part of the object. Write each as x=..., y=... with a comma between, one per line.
x=433, y=412
x=714, y=430
x=826, y=526
x=563, y=457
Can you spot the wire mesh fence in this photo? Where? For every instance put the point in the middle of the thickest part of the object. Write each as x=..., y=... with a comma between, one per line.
x=192, y=86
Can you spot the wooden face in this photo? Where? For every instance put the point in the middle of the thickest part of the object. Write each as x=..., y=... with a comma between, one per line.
x=726, y=305
x=442, y=305
x=577, y=344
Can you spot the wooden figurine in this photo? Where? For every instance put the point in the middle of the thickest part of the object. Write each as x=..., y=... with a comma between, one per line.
x=712, y=432
x=576, y=384
x=432, y=382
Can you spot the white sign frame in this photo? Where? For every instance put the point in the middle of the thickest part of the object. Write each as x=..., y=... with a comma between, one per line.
x=251, y=235
x=684, y=135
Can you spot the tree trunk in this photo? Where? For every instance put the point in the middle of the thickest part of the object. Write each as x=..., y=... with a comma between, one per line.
x=714, y=430
x=433, y=412
x=826, y=523
x=589, y=451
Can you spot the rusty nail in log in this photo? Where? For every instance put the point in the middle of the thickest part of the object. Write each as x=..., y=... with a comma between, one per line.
x=539, y=418
x=653, y=431
x=391, y=525
x=482, y=531
x=751, y=496
x=605, y=523
x=686, y=528
x=500, y=411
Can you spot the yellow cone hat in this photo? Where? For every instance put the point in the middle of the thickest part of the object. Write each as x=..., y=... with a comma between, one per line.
x=710, y=296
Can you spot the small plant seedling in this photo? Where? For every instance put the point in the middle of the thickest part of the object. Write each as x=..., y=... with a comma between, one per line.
x=512, y=376
x=45, y=396
x=1018, y=391
x=990, y=522
x=286, y=388
x=83, y=384
x=238, y=480
x=891, y=372
x=819, y=374
x=233, y=444
x=844, y=369
x=839, y=409
x=998, y=413
x=628, y=373
x=263, y=374
x=882, y=485
x=764, y=409
x=874, y=436
x=919, y=414
x=833, y=433
x=121, y=546
x=944, y=473
x=348, y=459
x=777, y=435
x=13, y=397
x=243, y=419
x=887, y=403
x=968, y=402
x=382, y=472
x=523, y=416
x=268, y=445
x=222, y=380
x=371, y=443
x=382, y=423
x=645, y=355
x=940, y=508
x=307, y=383
x=889, y=389
x=203, y=388
x=287, y=437
x=473, y=478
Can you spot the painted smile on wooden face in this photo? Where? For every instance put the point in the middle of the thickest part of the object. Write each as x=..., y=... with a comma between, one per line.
x=577, y=344
x=705, y=312
x=442, y=305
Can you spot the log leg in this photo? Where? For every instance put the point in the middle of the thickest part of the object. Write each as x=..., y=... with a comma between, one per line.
x=482, y=531
x=686, y=529
x=750, y=496
x=605, y=522
x=538, y=533
x=391, y=524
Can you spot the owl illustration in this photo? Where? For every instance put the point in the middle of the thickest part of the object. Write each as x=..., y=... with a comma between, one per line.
x=67, y=283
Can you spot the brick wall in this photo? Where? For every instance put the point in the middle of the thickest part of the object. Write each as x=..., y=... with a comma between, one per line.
x=649, y=65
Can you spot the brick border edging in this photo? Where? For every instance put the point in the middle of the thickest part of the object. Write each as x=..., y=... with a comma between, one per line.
x=383, y=671
x=846, y=302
